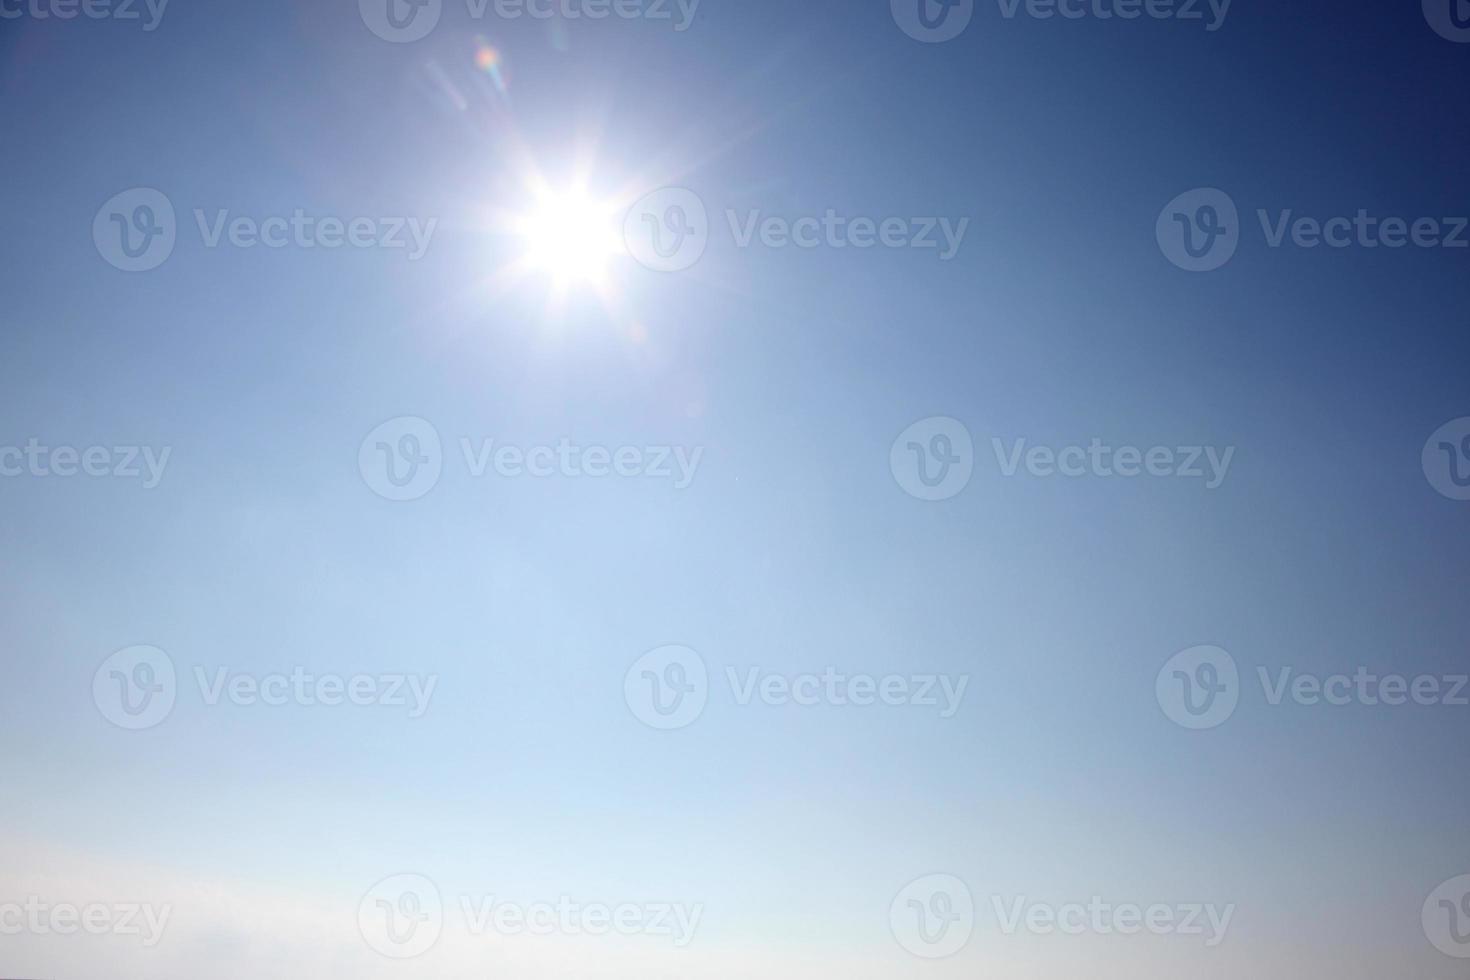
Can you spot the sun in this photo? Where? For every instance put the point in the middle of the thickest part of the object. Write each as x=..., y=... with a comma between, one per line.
x=571, y=237
x=562, y=237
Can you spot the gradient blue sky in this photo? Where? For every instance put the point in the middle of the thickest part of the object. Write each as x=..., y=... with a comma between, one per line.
x=1059, y=321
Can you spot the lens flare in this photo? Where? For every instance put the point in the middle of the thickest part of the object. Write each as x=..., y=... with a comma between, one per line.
x=488, y=61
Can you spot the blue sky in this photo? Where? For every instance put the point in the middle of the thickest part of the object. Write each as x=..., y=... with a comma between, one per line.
x=265, y=548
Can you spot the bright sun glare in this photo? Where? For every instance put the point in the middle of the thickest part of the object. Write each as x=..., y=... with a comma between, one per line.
x=571, y=238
